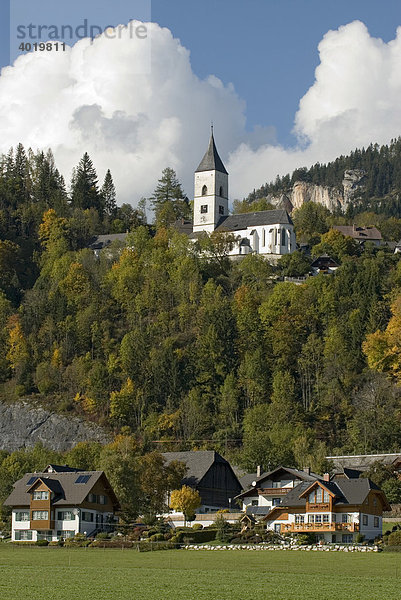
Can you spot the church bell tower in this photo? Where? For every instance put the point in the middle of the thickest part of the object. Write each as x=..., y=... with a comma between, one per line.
x=211, y=190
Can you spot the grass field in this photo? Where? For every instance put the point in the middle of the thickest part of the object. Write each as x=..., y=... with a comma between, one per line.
x=96, y=574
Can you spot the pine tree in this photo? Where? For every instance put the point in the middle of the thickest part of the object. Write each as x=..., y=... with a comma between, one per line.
x=108, y=193
x=168, y=200
x=84, y=186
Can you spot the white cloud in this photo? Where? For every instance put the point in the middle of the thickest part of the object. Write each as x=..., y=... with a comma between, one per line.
x=92, y=98
x=355, y=100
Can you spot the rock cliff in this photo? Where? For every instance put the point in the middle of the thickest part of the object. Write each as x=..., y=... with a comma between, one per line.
x=332, y=198
x=23, y=425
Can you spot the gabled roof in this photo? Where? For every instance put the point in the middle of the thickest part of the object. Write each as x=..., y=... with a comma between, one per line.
x=198, y=463
x=63, y=484
x=211, y=161
x=252, y=219
x=345, y=491
x=359, y=233
x=60, y=469
x=303, y=475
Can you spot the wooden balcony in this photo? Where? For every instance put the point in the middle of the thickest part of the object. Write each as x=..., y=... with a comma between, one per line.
x=273, y=491
x=42, y=524
x=319, y=527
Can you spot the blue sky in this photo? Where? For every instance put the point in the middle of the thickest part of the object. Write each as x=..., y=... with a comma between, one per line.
x=266, y=48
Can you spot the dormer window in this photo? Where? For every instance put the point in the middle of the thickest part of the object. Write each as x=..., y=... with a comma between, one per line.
x=40, y=495
x=204, y=190
x=319, y=496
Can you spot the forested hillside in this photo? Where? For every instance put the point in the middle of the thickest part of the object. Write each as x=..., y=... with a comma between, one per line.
x=382, y=185
x=193, y=351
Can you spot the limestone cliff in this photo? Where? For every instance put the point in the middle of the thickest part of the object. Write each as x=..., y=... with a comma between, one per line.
x=22, y=425
x=332, y=198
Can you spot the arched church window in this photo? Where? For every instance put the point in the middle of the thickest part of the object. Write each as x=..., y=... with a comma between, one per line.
x=221, y=191
x=204, y=190
x=283, y=237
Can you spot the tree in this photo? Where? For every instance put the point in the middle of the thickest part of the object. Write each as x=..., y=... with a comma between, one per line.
x=84, y=186
x=336, y=245
x=168, y=200
x=108, y=193
x=185, y=500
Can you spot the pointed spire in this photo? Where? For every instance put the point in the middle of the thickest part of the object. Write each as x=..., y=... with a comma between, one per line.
x=211, y=161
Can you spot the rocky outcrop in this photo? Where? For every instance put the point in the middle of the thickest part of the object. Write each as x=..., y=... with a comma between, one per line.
x=332, y=198
x=22, y=425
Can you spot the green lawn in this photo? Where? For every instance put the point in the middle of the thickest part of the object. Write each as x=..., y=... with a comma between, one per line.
x=96, y=574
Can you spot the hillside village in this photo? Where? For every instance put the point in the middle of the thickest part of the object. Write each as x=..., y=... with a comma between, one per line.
x=269, y=336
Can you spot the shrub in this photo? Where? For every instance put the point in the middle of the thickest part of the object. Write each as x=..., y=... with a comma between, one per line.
x=197, y=526
x=103, y=536
x=394, y=539
x=42, y=543
x=306, y=538
x=157, y=537
x=359, y=538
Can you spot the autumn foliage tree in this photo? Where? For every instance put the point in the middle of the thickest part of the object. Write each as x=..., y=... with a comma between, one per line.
x=185, y=500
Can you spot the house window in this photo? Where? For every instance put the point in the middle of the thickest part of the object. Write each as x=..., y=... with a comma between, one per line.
x=87, y=516
x=65, y=515
x=65, y=533
x=204, y=208
x=344, y=518
x=276, y=501
x=311, y=518
x=318, y=518
x=319, y=495
x=277, y=527
x=312, y=497
x=275, y=237
x=103, y=499
x=92, y=498
x=347, y=538
x=40, y=495
x=221, y=191
x=221, y=210
x=40, y=515
x=23, y=535
x=22, y=516
x=45, y=535
x=334, y=518
x=326, y=497
x=299, y=519
x=204, y=190
x=376, y=522
x=325, y=518
x=374, y=501
x=254, y=503
x=365, y=520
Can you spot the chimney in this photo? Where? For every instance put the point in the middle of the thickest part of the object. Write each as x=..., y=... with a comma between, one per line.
x=258, y=471
x=326, y=477
x=306, y=470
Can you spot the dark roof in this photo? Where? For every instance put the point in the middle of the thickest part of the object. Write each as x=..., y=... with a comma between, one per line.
x=303, y=475
x=60, y=469
x=102, y=241
x=347, y=491
x=359, y=233
x=258, y=510
x=198, y=463
x=63, y=484
x=347, y=473
x=183, y=226
x=211, y=161
x=251, y=219
x=324, y=261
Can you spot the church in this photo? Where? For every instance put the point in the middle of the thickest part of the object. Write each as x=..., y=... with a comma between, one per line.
x=269, y=233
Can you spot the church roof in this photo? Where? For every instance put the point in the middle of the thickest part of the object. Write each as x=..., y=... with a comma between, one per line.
x=211, y=161
x=252, y=219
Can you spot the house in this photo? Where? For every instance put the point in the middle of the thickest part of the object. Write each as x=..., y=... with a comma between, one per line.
x=361, y=234
x=363, y=462
x=269, y=233
x=324, y=264
x=211, y=475
x=269, y=489
x=60, y=502
x=99, y=242
x=335, y=510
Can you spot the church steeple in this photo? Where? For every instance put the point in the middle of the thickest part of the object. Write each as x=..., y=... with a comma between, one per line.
x=211, y=161
x=211, y=190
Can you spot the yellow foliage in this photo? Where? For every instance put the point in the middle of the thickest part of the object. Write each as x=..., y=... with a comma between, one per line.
x=17, y=344
x=186, y=500
x=56, y=358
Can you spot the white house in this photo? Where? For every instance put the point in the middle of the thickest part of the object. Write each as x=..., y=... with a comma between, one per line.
x=61, y=502
x=335, y=511
x=269, y=233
